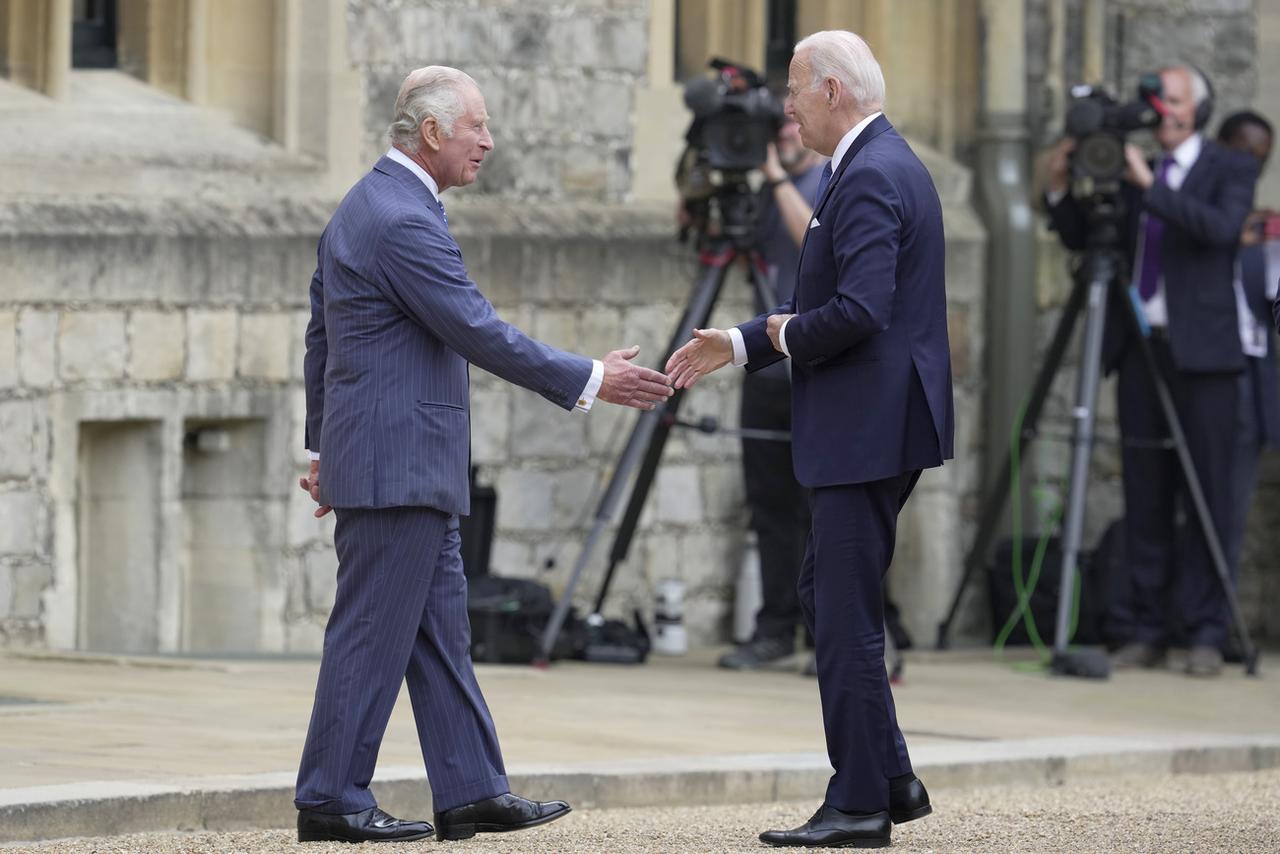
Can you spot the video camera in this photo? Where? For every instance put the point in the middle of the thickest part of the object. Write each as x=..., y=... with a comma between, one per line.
x=735, y=117
x=1099, y=125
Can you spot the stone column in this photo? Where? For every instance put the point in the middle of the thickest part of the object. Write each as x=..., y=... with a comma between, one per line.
x=1003, y=185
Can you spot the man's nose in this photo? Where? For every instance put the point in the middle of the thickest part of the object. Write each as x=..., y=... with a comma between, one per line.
x=486, y=141
x=789, y=108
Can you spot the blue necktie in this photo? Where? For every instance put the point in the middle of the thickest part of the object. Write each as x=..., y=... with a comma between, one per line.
x=443, y=215
x=824, y=180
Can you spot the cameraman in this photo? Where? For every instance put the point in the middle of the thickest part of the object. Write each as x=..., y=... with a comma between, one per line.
x=779, y=506
x=1181, y=232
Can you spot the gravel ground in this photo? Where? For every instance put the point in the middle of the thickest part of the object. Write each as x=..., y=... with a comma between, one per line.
x=1235, y=813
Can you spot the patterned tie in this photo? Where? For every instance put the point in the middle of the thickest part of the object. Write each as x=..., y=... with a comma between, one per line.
x=1149, y=280
x=443, y=215
x=824, y=180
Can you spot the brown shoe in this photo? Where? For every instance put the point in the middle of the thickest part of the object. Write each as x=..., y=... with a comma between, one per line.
x=1204, y=661
x=1137, y=655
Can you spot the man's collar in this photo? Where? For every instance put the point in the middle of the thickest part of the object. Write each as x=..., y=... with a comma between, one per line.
x=1188, y=151
x=848, y=139
x=407, y=162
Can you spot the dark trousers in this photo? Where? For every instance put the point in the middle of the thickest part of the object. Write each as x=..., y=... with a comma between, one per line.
x=1171, y=573
x=848, y=553
x=400, y=615
x=1245, y=474
x=779, y=505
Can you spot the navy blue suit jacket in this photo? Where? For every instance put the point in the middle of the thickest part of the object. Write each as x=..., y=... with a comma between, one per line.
x=1253, y=279
x=395, y=320
x=871, y=366
x=1203, y=219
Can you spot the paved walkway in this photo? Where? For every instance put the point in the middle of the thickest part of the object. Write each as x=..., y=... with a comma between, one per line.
x=136, y=726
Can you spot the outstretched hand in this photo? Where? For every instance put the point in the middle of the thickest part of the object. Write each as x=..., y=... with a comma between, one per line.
x=710, y=350
x=631, y=385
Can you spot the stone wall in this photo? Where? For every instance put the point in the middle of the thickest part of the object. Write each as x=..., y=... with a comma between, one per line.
x=559, y=78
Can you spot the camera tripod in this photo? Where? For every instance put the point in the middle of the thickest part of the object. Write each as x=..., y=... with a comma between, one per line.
x=1098, y=280
x=643, y=451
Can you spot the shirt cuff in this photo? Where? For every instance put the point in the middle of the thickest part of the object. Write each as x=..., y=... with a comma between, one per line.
x=313, y=455
x=782, y=338
x=588, y=396
x=1054, y=196
x=739, y=347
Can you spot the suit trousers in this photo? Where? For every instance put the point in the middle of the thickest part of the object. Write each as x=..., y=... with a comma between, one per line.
x=1249, y=441
x=400, y=615
x=1171, y=573
x=779, y=506
x=849, y=551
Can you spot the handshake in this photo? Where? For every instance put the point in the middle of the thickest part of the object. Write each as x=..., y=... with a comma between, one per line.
x=710, y=350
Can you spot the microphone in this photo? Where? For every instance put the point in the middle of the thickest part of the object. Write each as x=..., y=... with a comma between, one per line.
x=702, y=96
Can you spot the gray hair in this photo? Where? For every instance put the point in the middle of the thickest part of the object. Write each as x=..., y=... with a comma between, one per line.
x=433, y=92
x=1200, y=91
x=846, y=57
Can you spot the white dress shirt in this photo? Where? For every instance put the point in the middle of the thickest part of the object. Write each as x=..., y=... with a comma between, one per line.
x=1184, y=157
x=592, y=388
x=842, y=148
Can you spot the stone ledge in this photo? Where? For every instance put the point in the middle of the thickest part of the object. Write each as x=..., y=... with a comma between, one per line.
x=265, y=800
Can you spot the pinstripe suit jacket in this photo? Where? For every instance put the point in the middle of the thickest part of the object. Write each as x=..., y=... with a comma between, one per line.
x=395, y=320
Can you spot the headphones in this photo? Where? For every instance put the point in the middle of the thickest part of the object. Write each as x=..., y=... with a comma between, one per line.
x=1204, y=109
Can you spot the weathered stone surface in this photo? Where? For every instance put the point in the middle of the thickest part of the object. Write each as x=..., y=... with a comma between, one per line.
x=539, y=428
x=678, y=495
x=211, y=344
x=30, y=580
x=490, y=425
x=91, y=345
x=157, y=345
x=20, y=511
x=6, y=592
x=37, y=348
x=8, y=349
x=321, y=569
x=526, y=500
x=266, y=343
x=16, y=439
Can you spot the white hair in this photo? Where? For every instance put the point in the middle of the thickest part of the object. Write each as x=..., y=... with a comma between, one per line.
x=433, y=92
x=1200, y=90
x=846, y=57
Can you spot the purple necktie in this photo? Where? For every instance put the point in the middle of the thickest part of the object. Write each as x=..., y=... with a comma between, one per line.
x=1151, y=265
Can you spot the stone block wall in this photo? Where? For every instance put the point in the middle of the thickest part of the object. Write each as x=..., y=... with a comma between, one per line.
x=559, y=80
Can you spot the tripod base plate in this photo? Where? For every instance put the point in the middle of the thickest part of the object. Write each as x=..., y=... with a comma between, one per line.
x=1082, y=663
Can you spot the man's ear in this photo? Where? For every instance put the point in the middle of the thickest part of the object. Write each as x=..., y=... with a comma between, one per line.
x=430, y=133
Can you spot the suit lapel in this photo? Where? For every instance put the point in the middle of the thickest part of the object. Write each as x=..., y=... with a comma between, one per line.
x=392, y=169
x=1203, y=166
x=878, y=126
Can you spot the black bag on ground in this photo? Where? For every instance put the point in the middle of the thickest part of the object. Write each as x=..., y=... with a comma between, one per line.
x=507, y=618
x=1003, y=595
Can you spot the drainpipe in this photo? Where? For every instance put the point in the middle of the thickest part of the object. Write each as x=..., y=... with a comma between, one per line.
x=1004, y=204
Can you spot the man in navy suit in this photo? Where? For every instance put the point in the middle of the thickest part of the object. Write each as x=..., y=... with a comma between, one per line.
x=1181, y=232
x=395, y=324
x=866, y=332
x=1258, y=422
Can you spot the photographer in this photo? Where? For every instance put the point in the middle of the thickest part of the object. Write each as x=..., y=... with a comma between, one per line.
x=1182, y=226
x=779, y=506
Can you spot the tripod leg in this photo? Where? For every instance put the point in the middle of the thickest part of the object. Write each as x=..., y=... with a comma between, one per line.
x=998, y=490
x=705, y=290
x=1187, y=465
x=1099, y=270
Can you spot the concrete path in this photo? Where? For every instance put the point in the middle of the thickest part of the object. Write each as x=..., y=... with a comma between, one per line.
x=180, y=743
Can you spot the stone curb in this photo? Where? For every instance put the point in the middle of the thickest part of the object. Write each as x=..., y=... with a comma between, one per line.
x=263, y=801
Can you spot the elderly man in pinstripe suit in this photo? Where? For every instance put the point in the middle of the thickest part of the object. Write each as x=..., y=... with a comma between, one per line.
x=395, y=323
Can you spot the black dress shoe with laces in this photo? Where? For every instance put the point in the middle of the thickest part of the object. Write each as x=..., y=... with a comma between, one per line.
x=757, y=653
x=496, y=815
x=831, y=828
x=908, y=799
x=371, y=825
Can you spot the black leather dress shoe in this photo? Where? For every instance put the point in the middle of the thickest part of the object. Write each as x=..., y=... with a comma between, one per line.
x=372, y=825
x=496, y=815
x=831, y=828
x=908, y=799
